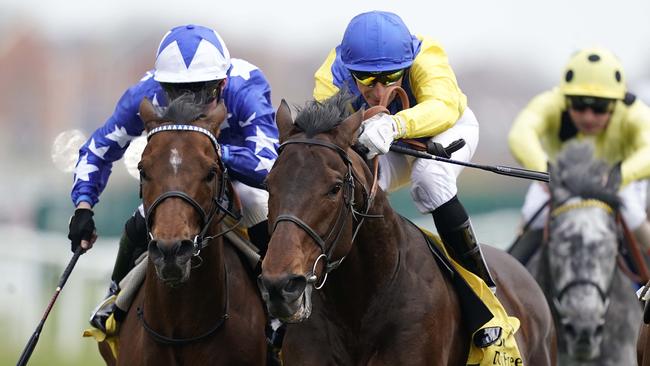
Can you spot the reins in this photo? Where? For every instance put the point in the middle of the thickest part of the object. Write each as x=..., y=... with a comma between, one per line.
x=221, y=202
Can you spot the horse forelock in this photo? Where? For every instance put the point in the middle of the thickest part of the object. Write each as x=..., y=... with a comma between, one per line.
x=583, y=175
x=183, y=110
x=318, y=117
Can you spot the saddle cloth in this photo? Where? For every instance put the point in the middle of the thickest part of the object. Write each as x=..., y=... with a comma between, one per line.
x=481, y=310
x=133, y=280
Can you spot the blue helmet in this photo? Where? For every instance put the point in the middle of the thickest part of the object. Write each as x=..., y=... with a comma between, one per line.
x=378, y=41
x=191, y=53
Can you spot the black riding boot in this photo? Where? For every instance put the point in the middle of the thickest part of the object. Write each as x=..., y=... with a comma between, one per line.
x=132, y=245
x=456, y=232
x=259, y=236
x=526, y=245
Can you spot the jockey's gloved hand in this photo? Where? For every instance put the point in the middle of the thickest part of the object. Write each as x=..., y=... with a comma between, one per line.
x=82, y=227
x=436, y=148
x=379, y=132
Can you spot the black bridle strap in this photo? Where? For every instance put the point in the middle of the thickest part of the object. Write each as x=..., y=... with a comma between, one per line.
x=348, y=203
x=580, y=282
x=178, y=194
x=183, y=341
x=304, y=226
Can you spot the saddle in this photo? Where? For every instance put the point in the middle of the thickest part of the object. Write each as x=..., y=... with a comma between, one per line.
x=485, y=318
x=132, y=282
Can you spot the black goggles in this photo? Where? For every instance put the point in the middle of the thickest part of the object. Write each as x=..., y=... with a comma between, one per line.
x=597, y=105
x=386, y=78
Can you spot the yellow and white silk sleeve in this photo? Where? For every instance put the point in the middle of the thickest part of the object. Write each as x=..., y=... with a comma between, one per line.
x=529, y=129
x=324, y=79
x=440, y=102
x=637, y=165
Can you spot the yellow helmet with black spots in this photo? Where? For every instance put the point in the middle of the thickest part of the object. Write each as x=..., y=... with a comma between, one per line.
x=594, y=72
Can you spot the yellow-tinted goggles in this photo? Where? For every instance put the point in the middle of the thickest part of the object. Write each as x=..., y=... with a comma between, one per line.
x=387, y=78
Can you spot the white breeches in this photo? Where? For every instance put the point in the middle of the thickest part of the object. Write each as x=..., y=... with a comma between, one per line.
x=433, y=182
x=633, y=211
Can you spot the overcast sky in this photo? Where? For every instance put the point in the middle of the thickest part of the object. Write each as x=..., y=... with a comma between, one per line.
x=541, y=31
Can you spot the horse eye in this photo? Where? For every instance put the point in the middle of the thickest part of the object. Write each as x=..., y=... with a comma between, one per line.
x=211, y=175
x=335, y=189
x=143, y=175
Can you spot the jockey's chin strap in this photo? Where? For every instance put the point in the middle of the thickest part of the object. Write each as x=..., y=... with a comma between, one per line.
x=224, y=199
x=347, y=209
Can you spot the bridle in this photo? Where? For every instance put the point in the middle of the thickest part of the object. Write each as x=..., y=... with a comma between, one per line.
x=563, y=209
x=221, y=202
x=346, y=210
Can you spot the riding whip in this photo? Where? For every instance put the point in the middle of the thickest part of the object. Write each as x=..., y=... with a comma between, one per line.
x=421, y=150
x=498, y=169
x=29, y=348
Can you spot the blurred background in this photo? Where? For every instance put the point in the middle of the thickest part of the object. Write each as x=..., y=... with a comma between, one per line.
x=64, y=65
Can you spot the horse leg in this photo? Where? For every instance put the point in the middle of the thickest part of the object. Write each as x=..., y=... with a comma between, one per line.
x=107, y=354
x=642, y=345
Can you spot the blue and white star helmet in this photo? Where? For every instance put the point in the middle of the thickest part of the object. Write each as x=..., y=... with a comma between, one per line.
x=191, y=53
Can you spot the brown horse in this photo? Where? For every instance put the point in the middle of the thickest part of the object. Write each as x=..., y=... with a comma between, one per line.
x=199, y=304
x=643, y=345
x=384, y=300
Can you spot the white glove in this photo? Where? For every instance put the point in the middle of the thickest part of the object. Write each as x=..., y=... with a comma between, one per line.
x=378, y=134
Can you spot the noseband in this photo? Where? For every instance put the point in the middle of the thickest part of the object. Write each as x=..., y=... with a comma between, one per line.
x=220, y=200
x=346, y=209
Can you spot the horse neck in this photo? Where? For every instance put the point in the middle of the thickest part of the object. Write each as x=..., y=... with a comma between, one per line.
x=371, y=263
x=202, y=296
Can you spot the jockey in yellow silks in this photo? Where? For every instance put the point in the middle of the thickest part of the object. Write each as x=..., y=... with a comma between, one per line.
x=378, y=51
x=591, y=103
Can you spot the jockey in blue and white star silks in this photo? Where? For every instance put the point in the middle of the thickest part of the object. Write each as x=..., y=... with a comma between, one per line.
x=249, y=135
x=189, y=58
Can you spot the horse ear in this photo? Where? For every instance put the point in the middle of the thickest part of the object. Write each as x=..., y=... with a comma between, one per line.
x=216, y=116
x=148, y=114
x=559, y=193
x=349, y=127
x=284, y=121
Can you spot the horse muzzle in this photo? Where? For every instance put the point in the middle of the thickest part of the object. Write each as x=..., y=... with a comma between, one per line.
x=584, y=344
x=287, y=297
x=171, y=260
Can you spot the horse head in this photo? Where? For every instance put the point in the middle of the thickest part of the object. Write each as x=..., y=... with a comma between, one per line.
x=317, y=192
x=181, y=182
x=583, y=245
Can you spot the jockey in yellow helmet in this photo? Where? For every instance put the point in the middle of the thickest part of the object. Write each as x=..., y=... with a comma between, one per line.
x=591, y=103
x=377, y=51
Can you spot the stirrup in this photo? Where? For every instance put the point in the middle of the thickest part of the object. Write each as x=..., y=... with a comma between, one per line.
x=485, y=337
x=102, y=312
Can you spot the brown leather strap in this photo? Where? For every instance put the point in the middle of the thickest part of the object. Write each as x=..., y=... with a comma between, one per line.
x=633, y=246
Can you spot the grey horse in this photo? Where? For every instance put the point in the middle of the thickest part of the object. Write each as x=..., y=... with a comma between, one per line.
x=594, y=305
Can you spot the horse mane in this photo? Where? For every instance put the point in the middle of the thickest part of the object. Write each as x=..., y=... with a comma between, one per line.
x=184, y=109
x=316, y=117
x=583, y=175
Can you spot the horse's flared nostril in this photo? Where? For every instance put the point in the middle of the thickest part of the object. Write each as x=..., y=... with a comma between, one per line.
x=285, y=288
x=185, y=248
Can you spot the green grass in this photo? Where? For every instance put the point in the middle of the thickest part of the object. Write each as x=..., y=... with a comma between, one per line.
x=49, y=353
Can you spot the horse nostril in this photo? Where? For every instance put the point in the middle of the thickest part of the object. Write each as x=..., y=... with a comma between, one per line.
x=570, y=330
x=285, y=288
x=185, y=248
x=295, y=285
x=599, y=330
x=154, y=250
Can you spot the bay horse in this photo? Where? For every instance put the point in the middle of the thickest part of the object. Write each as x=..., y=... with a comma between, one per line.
x=643, y=345
x=593, y=303
x=199, y=304
x=383, y=300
